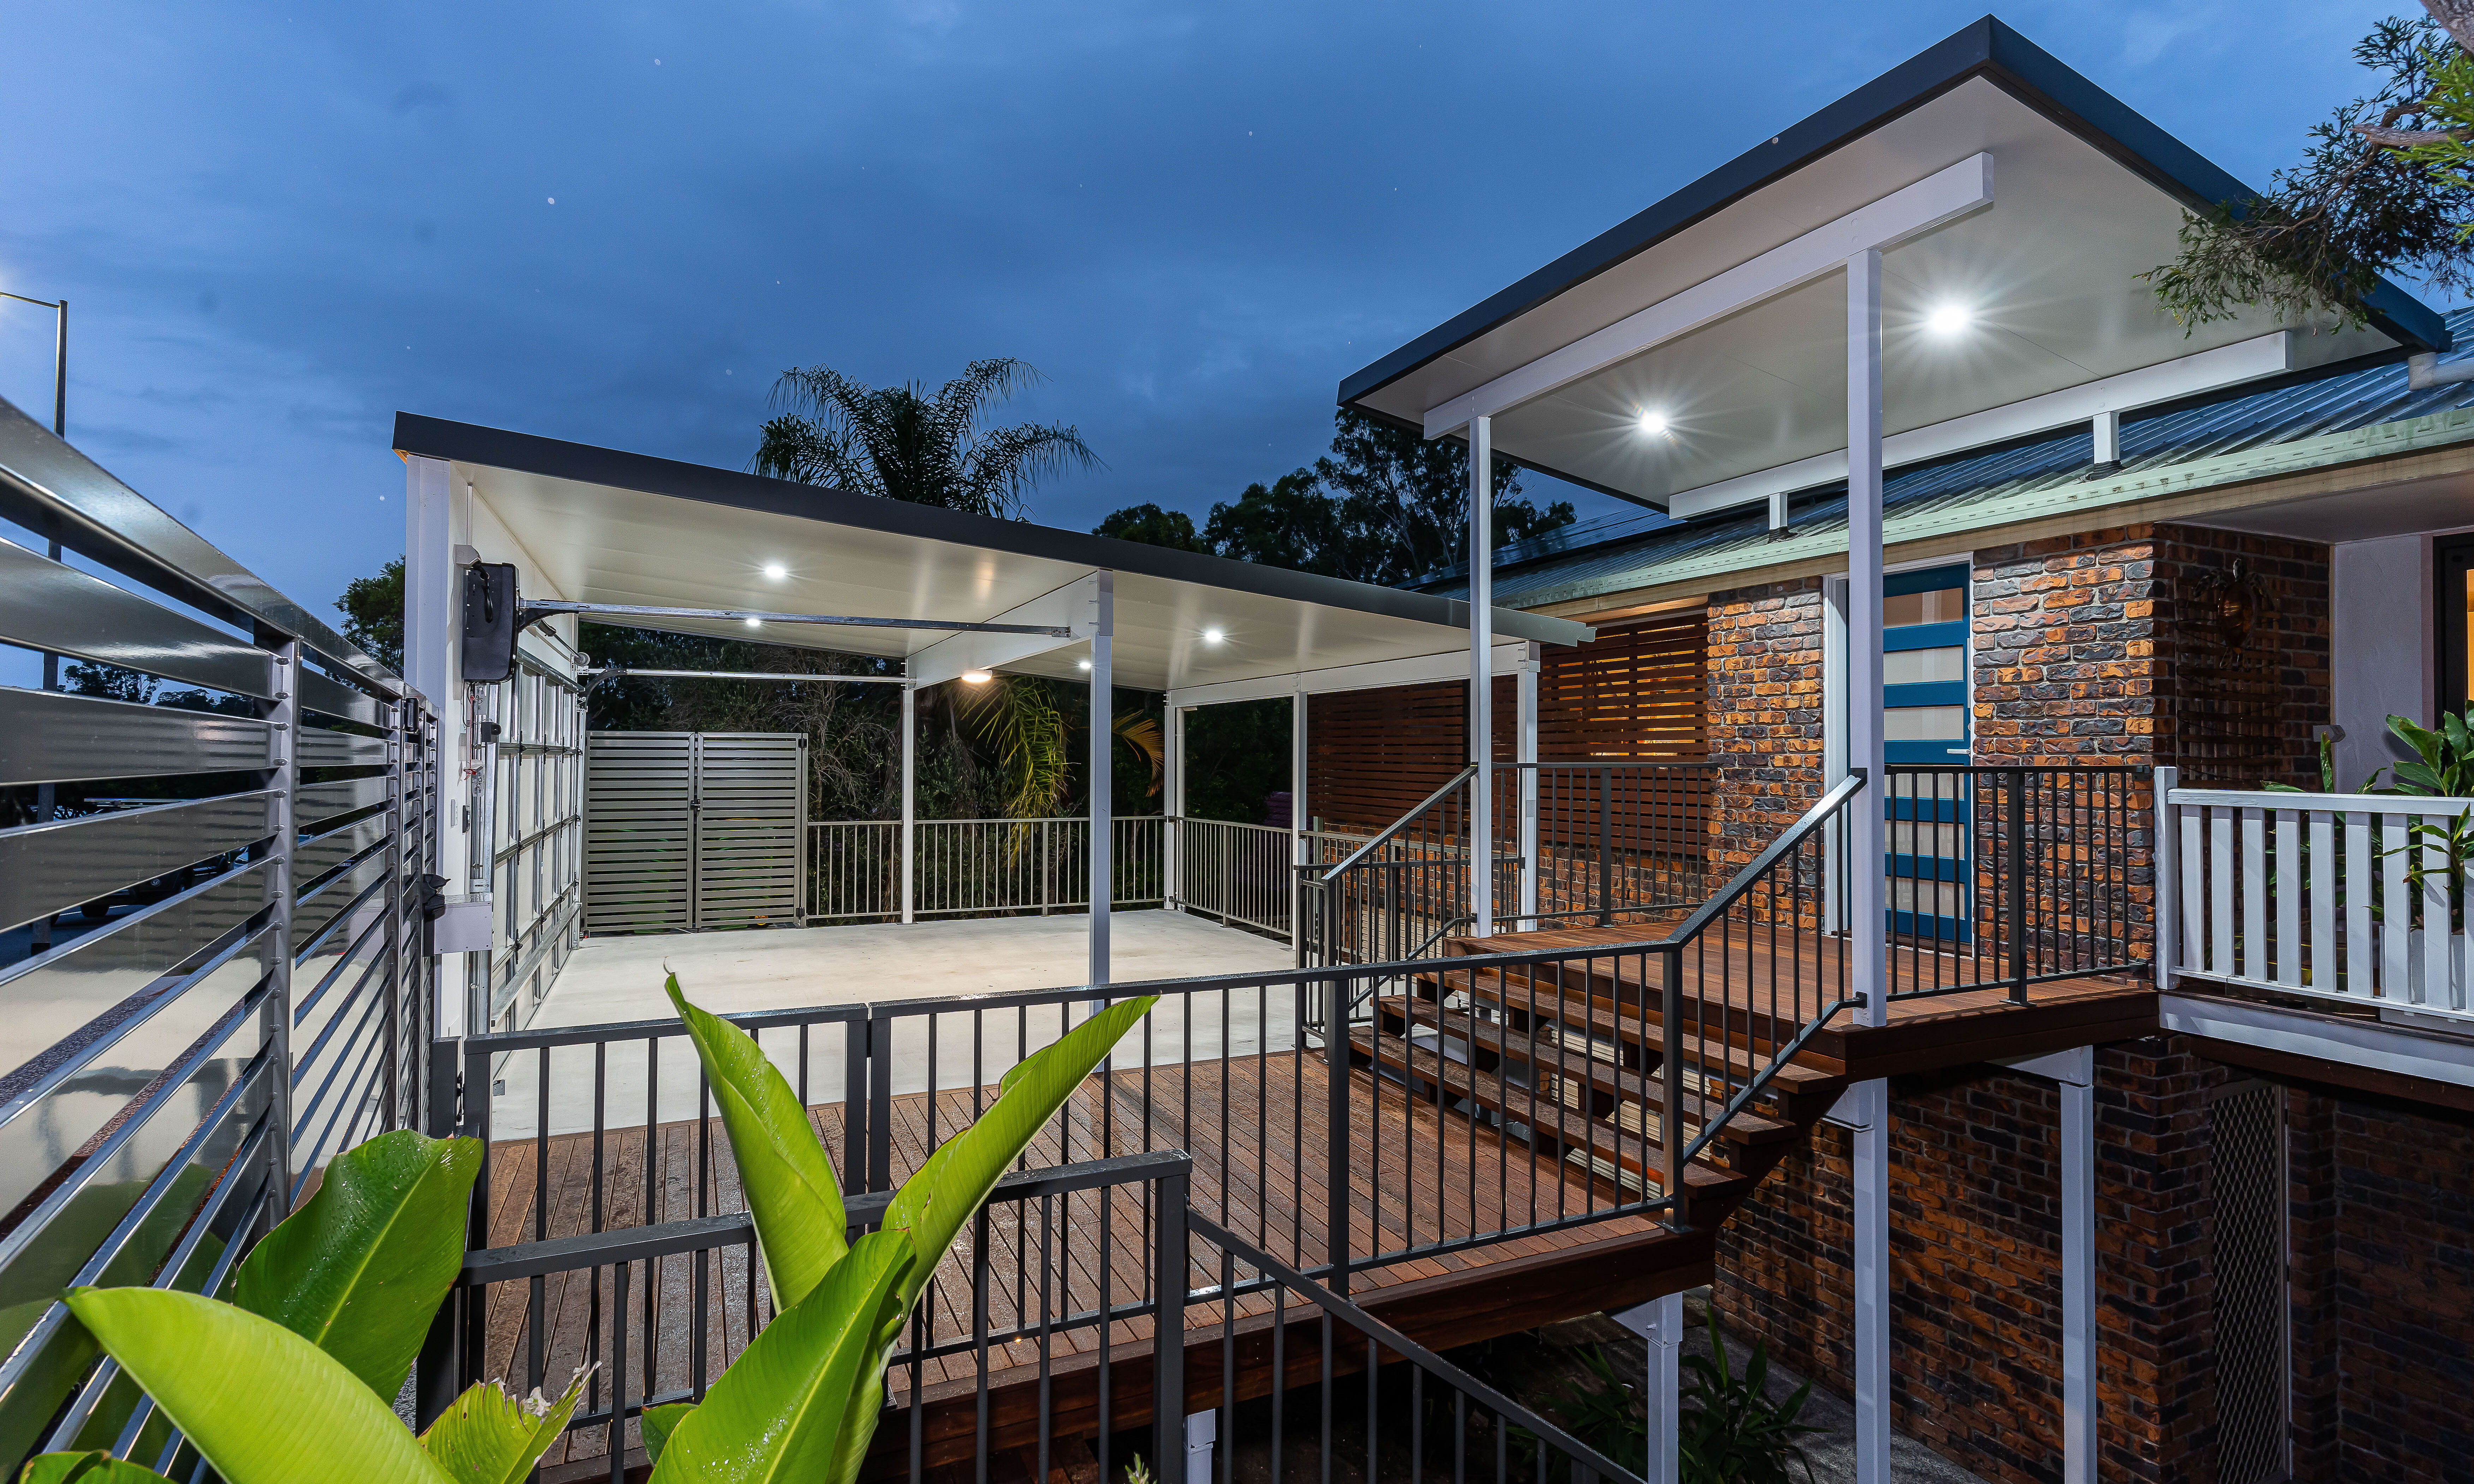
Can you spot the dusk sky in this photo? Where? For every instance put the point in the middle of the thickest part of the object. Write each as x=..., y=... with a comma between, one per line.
x=616, y=224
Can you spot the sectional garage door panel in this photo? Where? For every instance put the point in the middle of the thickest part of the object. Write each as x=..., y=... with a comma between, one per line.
x=688, y=831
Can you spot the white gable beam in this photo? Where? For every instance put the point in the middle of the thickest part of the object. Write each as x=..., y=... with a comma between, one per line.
x=1940, y=196
x=2209, y=371
x=1452, y=665
x=1074, y=606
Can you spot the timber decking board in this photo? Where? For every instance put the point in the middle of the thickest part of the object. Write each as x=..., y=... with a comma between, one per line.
x=1477, y=1180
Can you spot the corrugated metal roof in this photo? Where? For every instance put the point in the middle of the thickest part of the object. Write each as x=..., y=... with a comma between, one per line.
x=1624, y=551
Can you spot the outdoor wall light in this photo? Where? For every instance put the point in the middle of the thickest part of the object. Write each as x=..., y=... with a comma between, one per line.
x=1653, y=423
x=1949, y=319
x=975, y=676
x=1212, y=635
x=776, y=571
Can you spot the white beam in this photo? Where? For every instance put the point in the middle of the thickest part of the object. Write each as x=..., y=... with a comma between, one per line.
x=1073, y=606
x=1938, y=197
x=1374, y=675
x=2209, y=371
x=1872, y=1280
x=1481, y=672
x=1102, y=769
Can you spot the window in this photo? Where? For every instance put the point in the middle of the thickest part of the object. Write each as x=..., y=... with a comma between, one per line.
x=2453, y=608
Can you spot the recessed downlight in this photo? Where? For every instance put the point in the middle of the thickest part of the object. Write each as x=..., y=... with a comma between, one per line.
x=1212, y=635
x=975, y=676
x=775, y=571
x=1084, y=663
x=756, y=623
x=1949, y=319
x=1653, y=423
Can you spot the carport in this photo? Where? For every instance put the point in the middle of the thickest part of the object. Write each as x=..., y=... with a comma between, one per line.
x=655, y=543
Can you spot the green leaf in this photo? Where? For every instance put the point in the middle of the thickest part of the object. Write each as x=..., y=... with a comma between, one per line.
x=659, y=1422
x=488, y=1437
x=946, y=1190
x=264, y=1405
x=789, y=1184
x=779, y=1412
x=359, y=1269
x=96, y=1468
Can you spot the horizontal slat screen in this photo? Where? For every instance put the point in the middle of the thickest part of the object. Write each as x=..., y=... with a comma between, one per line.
x=49, y=606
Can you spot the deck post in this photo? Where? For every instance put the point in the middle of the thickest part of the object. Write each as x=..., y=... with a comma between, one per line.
x=910, y=799
x=2164, y=947
x=1865, y=862
x=2078, y=1266
x=1872, y=1277
x=1167, y=1324
x=1525, y=750
x=1340, y=1140
x=1172, y=805
x=1102, y=774
x=1481, y=697
x=1665, y=1332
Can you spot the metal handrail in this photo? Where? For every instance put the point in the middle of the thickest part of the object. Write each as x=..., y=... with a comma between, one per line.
x=1349, y=861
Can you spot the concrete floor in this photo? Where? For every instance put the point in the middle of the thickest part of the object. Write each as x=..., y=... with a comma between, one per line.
x=615, y=980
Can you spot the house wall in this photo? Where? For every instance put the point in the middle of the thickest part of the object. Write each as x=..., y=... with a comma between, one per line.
x=2382, y=647
x=1975, y=1281
x=1765, y=727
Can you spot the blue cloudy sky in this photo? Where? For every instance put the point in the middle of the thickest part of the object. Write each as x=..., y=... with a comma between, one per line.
x=277, y=225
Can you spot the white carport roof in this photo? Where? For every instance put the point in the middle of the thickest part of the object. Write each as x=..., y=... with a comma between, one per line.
x=1995, y=181
x=602, y=526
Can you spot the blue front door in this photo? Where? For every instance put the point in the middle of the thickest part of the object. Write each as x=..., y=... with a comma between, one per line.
x=1924, y=722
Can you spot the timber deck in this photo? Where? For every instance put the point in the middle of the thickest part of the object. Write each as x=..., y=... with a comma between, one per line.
x=1421, y=1172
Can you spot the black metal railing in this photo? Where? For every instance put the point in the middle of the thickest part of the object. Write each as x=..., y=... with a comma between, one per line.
x=2002, y=877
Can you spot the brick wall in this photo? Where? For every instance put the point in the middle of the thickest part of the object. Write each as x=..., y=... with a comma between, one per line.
x=2381, y=1239
x=1765, y=714
x=1976, y=1281
x=2244, y=717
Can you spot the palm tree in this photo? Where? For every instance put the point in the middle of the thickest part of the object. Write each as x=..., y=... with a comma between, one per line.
x=902, y=444
x=899, y=443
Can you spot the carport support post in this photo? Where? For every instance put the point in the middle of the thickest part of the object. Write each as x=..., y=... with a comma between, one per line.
x=1664, y=1332
x=1173, y=878
x=1103, y=778
x=1525, y=750
x=1481, y=697
x=910, y=795
x=1865, y=930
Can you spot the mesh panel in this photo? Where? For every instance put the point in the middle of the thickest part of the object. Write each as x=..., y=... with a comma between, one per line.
x=2249, y=1172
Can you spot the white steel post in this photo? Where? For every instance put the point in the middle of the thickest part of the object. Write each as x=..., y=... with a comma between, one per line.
x=432, y=621
x=1481, y=698
x=1304, y=849
x=1525, y=750
x=1872, y=1173
x=1666, y=1381
x=1102, y=782
x=910, y=799
x=1172, y=805
x=2079, y=1264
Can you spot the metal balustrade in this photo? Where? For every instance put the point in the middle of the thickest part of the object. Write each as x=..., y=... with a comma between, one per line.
x=217, y=849
x=2357, y=898
x=977, y=868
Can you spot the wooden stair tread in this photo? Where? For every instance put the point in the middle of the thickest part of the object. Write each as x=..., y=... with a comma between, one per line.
x=1568, y=1126
x=1596, y=1016
x=1746, y=1127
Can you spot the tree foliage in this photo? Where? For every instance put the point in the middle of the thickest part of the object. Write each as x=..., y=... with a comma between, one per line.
x=1384, y=506
x=373, y=609
x=903, y=443
x=2382, y=187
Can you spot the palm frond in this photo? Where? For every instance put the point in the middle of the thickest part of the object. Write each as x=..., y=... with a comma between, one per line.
x=1142, y=733
x=1017, y=719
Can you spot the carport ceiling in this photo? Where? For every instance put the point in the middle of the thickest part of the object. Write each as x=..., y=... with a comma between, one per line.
x=624, y=527
x=2087, y=195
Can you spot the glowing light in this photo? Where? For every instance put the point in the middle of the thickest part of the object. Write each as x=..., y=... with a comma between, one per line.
x=776, y=571
x=975, y=676
x=1653, y=423
x=1949, y=319
x=1084, y=663
x=1212, y=635
x=756, y=623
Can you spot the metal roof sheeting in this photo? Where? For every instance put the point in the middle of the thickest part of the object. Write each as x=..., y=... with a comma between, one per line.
x=1626, y=551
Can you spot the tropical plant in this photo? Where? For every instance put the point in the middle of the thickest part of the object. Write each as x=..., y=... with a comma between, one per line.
x=1604, y=1412
x=803, y=1400
x=903, y=442
x=2384, y=185
x=296, y=1377
x=1731, y=1432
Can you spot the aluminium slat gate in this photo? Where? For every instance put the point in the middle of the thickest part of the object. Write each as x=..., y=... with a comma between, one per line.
x=689, y=831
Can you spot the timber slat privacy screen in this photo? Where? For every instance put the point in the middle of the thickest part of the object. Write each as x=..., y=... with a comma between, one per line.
x=211, y=833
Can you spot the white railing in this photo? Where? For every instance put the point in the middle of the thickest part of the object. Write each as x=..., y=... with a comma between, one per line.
x=2357, y=898
x=1242, y=875
x=976, y=868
